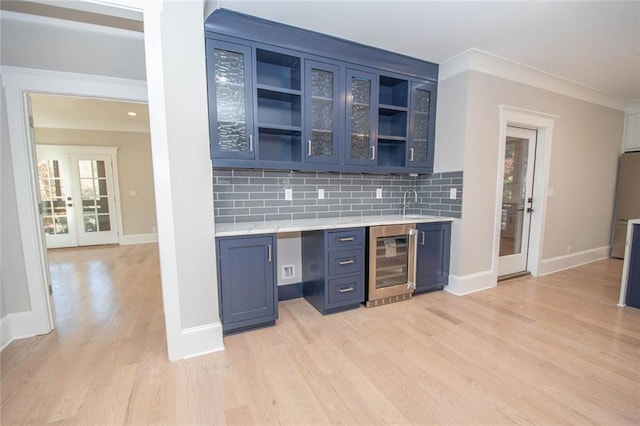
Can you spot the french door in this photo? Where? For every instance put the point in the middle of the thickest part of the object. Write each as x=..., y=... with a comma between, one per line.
x=77, y=195
x=517, y=200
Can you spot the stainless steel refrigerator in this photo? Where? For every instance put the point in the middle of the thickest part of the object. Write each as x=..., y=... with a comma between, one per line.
x=627, y=200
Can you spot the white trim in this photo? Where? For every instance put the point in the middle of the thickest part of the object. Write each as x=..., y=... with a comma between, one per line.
x=131, y=239
x=543, y=123
x=488, y=63
x=200, y=340
x=634, y=106
x=6, y=333
x=71, y=25
x=560, y=263
x=471, y=283
x=17, y=82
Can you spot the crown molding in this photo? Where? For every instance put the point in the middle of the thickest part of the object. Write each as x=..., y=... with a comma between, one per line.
x=488, y=63
x=69, y=25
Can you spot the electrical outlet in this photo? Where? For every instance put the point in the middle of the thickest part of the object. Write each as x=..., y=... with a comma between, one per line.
x=453, y=193
x=379, y=193
x=288, y=194
x=288, y=271
x=320, y=194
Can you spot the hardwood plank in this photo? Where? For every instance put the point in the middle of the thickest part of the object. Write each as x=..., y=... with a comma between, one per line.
x=554, y=349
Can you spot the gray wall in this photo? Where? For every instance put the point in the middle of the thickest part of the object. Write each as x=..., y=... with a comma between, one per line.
x=587, y=141
x=259, y=195
x=14, y=291
x=30, y=44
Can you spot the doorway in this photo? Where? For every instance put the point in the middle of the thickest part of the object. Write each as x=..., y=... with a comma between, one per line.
x=517, y=200
x=77, y=195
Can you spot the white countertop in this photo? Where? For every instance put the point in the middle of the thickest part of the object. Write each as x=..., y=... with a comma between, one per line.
x=276, y=226
x=626, y=263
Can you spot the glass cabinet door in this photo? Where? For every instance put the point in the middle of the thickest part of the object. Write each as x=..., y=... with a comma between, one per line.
x=322, y=112
x=362, y=119
x=230, y=100
x=421, y=126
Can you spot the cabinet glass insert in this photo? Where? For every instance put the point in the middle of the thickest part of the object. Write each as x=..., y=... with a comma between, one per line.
x=392, y=261
x=230, y=101
x=321, y=113
x=360, y=118
x=421, y=104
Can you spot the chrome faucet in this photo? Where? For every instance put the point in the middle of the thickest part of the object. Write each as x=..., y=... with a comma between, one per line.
x=405, y=203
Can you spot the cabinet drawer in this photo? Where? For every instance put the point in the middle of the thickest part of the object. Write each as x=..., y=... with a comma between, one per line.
x=345, y=262
x=346, y=290
x=346, y=239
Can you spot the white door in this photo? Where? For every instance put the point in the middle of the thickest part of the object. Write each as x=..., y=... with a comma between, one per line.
x=94, y=207
x=517, y=200
x=56, y=199
x=77, y=192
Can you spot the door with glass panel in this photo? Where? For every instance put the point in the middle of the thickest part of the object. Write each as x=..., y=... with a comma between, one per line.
x=77, y=195
x=362, y=118
x=322, y=110
x=517, y=200
x=56, y=200
x=95, y=215
x=232, y=129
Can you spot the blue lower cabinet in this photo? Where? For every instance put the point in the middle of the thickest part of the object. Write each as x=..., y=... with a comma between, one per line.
x=333, y=269
x=247, y=282
x=633, y=282
x=432, y=258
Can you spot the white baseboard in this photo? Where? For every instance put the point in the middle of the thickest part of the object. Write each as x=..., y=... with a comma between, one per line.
x=560, y=263
x=201, y=340
x=19, y=325
x=6, y=334
x=471, y=283
x=130, y=239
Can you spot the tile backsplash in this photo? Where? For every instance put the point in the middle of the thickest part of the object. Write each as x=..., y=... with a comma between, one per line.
x=242, y=195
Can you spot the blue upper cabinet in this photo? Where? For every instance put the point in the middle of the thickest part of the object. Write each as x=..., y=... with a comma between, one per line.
x=322, y=112
x=421, y=126
x=361, y=101
x=229, y=75
x=285, y=98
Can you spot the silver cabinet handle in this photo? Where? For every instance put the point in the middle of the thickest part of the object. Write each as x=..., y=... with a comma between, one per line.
x=346, y=262
x=309, y=148
x=250, y=143
x=410, y=154
x=373, y=153
x=422, y=234
x=345, y=290
x=343, y=239
x=269, y=253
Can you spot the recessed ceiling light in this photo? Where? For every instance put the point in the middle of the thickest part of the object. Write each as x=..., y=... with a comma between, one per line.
x=132, y=113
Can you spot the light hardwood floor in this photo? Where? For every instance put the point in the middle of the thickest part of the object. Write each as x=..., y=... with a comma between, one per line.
x=550, y=350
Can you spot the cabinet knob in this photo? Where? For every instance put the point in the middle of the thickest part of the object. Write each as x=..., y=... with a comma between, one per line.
x=410, y=154
x=309, y=148
x=345, y=290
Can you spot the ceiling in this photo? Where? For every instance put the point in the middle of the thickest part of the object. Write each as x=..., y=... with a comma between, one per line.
x=70, y=112
x=596, y=44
